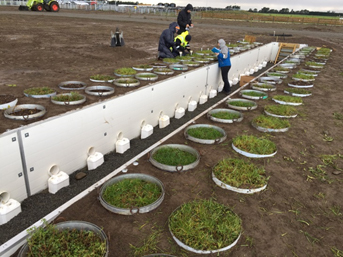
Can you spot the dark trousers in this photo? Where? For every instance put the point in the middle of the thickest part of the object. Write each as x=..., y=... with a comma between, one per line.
x=225, y=71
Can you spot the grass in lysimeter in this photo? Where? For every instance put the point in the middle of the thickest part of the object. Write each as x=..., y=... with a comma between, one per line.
x=127, y=80
x=242, y=103
x=205, y=225
x=299, y=91
x=39, y=91
x=303, y=76
x=125, y=71
x=129, y=193
x=254, y=93
x=240, y=173
x=279, y=68
x=147, y=75
x=282, y=110
x=226, y=115
x=49, y=241
x=171, y=60
x=265, y=121
x=264, y=85
x=205, y=133
x=254, y=145
x=143, y=66
x=73, y=96
x=102, y=77
x=288, y=99
x=173, y=156
x=314, y=64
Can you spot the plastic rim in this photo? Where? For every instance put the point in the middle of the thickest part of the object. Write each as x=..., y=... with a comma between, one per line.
x=78, y=225
x=9, y=112
x=205, y=141
x=188, y=248
x=141, y=76
x=286, y=103
x=236, y=189
x=280, y=116
x=252, y=155
x=171, y=168
x=81, y=101
x=265, y=95
x=120, y=84
x=239, y=107
x=295, y=94
x=209, y=115
x=9, y=104
x=300, y=86
x=263, y=129
x=62, y=85
x=109, y=90
x=132, y=210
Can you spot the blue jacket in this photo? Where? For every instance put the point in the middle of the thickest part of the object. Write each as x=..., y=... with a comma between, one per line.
x=224, y=61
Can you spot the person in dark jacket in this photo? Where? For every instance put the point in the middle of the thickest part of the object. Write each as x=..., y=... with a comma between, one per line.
x=224, y=64
x=166, y=45
x=184, y=18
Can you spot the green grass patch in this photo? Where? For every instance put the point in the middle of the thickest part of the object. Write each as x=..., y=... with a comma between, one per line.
x=226, y=115
x=254, y=93
x=143, y=66
x=303, y=76
x=163, y=70
x=171, y=60
x=300, y=91
x=240, y=103
x=50, y=241
x=205, y=225
x=338, y=116
x=39, y=91
x=73, y=96
x=279, y=68
x=264, y=85
x=281, y=110
x=125, y=71
x=288, y=99
x=314, y=64
x=205, y=133
x=239, y=173
x=271, y=122
x=147, y=75
x=129, y=193
x=173, y=156
x=149, y=245
x=254, y=145
x=127, y=80
x=102, y=77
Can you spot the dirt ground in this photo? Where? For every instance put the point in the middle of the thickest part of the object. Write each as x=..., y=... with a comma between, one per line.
x=300, y=212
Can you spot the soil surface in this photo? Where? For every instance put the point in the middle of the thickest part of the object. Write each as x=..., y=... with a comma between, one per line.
x=300, y=212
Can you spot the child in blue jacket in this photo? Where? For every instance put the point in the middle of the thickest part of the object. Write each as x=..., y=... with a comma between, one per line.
x=224, y=63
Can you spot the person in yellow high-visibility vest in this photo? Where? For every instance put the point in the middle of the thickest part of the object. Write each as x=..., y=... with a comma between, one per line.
x=182, y=43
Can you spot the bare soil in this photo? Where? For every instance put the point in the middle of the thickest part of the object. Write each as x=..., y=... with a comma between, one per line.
x=300, y=212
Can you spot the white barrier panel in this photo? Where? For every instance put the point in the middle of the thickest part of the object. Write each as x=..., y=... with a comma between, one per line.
x=65, y=140
x=11, y=169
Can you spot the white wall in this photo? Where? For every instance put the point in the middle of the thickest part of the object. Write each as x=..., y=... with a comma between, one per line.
x=64, y=140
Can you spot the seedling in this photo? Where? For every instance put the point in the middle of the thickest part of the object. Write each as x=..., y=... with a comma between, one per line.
x=73, y=96
x=125, y=71
x=226, y=115
x=288, y=99
x=39, y=91
x=102, y=77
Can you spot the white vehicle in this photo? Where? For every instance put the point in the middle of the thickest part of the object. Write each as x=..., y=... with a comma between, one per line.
x=79, y=2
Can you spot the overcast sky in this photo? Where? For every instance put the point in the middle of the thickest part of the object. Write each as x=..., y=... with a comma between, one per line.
x=296, y=5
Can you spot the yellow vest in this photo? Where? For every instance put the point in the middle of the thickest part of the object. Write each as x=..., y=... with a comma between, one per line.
x=182, y=38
